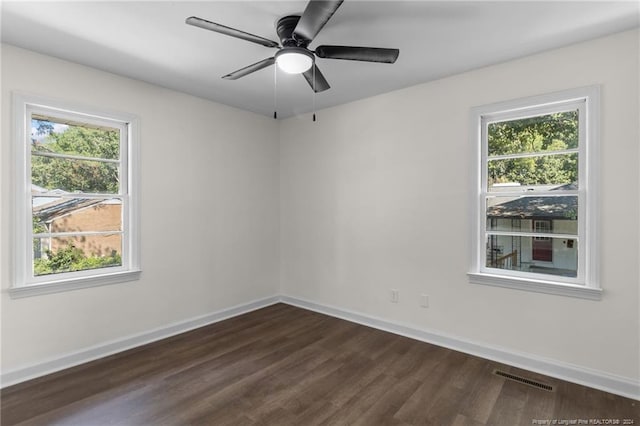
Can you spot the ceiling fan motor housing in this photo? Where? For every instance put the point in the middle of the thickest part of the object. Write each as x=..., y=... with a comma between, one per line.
x=285, y=28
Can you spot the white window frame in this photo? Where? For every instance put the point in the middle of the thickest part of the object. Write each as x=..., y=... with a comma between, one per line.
x=586, y=284
x=24, y=282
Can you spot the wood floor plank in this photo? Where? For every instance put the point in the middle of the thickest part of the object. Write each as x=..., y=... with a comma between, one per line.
x=461, y=420
x=283, y=365
x=484, y=390
x=418, y=408
x=510, y=405
x=383, y=411
x=352, y=410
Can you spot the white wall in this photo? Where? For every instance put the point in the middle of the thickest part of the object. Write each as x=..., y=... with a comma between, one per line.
x=375, y=195
x=209, y=213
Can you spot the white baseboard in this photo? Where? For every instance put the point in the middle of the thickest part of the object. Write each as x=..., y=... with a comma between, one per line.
x=109, y=348
x=558, y=369
x=550, y=367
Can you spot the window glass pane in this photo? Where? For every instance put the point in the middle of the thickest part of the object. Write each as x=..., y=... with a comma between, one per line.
x=70, y=175
x=560, y=169
x=76, y=214
x=540, y=214
x=64, y=137
x=541, y=255
x=78, y=253
x=544, y=133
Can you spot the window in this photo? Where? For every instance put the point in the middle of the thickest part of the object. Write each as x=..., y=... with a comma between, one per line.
x=76, y=197
x=534, y=220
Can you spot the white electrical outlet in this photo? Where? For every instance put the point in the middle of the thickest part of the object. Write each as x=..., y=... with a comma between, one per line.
x=395, y=295
x=424, y=300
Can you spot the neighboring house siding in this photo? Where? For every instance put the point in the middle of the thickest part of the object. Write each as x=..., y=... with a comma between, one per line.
x=98, y=217
x=564, y=256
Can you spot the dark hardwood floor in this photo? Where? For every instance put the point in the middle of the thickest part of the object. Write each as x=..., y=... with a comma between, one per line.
x=283, y=365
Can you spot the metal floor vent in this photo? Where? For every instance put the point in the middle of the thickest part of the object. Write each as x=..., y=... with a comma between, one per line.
x=524, y=380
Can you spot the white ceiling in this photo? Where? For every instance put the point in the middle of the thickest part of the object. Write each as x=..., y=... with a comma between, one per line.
x=149, y=41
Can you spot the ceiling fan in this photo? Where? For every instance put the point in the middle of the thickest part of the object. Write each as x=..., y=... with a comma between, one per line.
x=295, y=34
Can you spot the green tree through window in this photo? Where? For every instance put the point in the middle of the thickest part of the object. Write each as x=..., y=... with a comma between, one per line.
x=76, y=175
x=543, y=135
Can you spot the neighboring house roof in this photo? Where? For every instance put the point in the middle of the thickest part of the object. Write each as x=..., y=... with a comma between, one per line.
x=538, y=207
x=61, y=206
x=48, y=204
x=43, y=196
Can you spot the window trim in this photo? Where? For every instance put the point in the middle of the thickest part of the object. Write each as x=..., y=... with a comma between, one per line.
x=587, y=284
x=24, y=284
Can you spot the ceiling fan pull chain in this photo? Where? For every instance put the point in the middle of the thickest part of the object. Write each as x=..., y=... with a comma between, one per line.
x=275, y=93
x=314, y=91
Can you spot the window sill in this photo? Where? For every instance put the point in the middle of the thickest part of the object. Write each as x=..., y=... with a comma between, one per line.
x=72, y=284
x=548, y=287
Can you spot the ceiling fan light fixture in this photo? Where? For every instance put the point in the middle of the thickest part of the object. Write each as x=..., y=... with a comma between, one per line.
x=294, y=60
